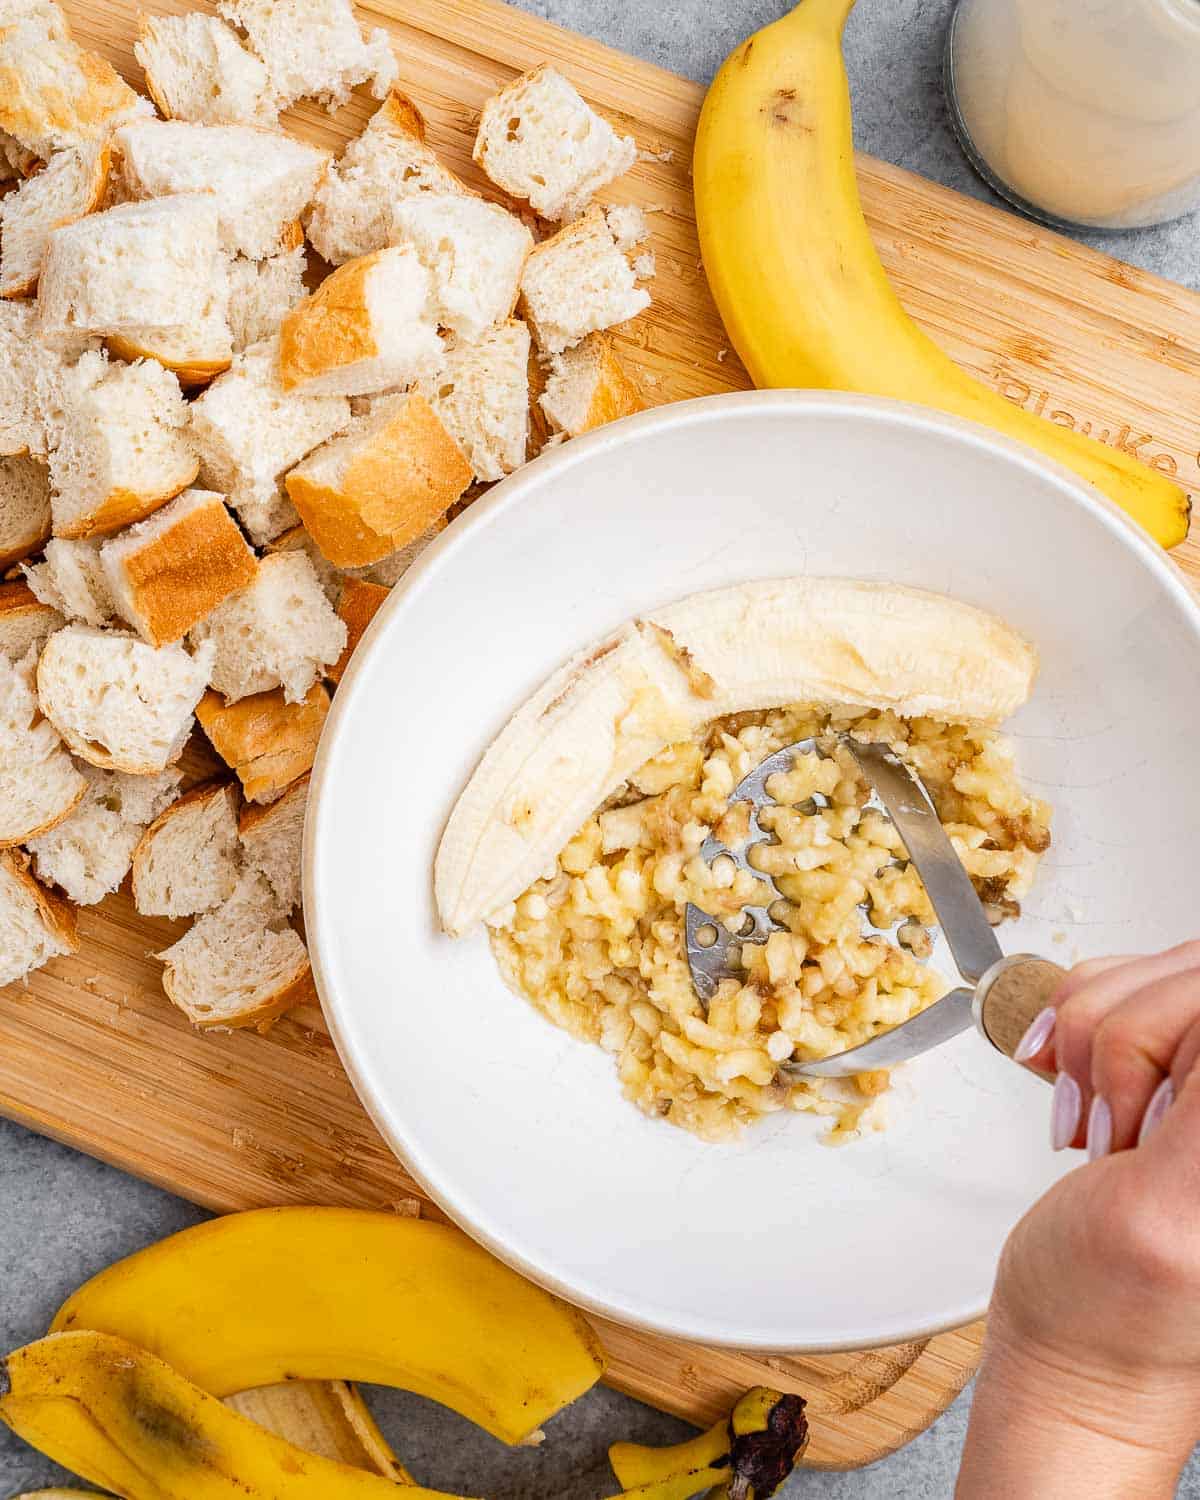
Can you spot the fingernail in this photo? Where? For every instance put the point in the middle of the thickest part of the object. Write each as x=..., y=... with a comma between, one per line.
x=1065, y=1110
x=1040, y=1031
x=1160, y=1101
x=1100, y=1128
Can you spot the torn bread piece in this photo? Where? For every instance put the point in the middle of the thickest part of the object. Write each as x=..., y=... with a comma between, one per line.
x=30, y=374
x=44, y=15
x=198, y=70
x=578, y=283
x=278, y=631
x=262, y=180
x=118, y=703
x=352, y=212
x=120, y=449
x=188, y=860
x=39, y=785
x=368, y=327
x=586, y=387
x=240, y=965
x=313, y=49
x=70, y=579
x=55, y=94
x=71, y=185
x=360, y=602
x=88, y=855
x=481, y=394
x=382, y=483
x=156, y=265
x=540, y=140
x=267, y=741
x=36, y=925
x=24, y=508
x=271, y=839
x=296, y=539
x=25, y=622
x=249, y=431
x=167, y=573
x=261, y=292
x=474, y=252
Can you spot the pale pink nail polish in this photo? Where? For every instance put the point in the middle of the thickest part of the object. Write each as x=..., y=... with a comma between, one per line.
x=1041, y=1029
x=1100, y=1129
x=1065, y=1109
x=1160, y=1101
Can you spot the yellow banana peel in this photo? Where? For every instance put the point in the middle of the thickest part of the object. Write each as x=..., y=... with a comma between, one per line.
x=802, y=292
x=345, y=1294
x=745, y=1456
x=119, y=1417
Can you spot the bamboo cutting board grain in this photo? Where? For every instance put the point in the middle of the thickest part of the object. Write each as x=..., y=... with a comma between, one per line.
x=93, y=1054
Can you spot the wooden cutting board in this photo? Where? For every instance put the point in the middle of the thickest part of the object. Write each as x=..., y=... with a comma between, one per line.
x=91, y=1052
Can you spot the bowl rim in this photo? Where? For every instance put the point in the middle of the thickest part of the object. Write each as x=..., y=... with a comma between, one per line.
x=490, y=510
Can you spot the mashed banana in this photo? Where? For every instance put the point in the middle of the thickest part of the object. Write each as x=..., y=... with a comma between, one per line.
x=598, y=945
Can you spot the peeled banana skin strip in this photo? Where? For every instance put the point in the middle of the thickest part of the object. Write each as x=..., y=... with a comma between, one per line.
x=659, y=678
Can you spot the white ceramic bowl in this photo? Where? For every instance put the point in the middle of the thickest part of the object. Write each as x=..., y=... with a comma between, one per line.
x=521, y=1133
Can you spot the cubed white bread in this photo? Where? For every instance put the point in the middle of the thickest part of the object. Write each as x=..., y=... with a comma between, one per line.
x=121, y=449
x=88, y=855
x=167, y=573
x=194, y=355
x=540, y=140
x=36, y=798
x=45, y=14
x=352, y=213
x=152, y=265
x=55, y=95
x=474, y=251
x=577, y=283
x=313, y=49
x=628, y=224
x=189, y=859
x=379, y=486
x=70, y=579
x=29, y=378
x=25, y=622
x=240, y=965
x=586, y=387
x=279, y=631
x=360, y=602
x=71, y=185
x=296, y=539
x=389, y=570
x=118, y=703
x=271, y=839
x=35, y=924
x=261, y=292
x=267, y=741
x=249, y=431
x=262, y=180
x=197, y=69
x=368, y=327
x=24, y=508
x=481, y=393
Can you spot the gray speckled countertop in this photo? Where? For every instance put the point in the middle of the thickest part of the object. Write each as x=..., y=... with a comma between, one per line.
x=63, y=1216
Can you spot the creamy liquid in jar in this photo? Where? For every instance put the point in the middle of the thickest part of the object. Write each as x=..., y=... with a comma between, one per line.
x=1082, y=111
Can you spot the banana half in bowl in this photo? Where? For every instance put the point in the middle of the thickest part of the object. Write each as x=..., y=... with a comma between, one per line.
x=512, y=810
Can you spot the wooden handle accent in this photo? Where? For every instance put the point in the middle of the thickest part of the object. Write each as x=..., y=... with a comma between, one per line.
x=1018, y=990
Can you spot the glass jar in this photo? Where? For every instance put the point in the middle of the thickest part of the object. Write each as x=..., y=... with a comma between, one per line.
x=1081, y=112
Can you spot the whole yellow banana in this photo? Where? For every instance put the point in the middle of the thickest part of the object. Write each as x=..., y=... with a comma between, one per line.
x=347, y=1294
x=121, y=1418
x=803, y=294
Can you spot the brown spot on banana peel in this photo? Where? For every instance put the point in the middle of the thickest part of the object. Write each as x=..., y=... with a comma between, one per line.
x=5, y=1380
x=785, y=111
x=762, y=1460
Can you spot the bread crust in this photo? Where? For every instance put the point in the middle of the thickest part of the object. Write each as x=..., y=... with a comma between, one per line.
x=203, y=791
x=189, y=372
x=358, y=606
x=401, y=480
x=331, y=328
x=179, y=577
x=17, y=599
x=299, y=990
x=269, y=743
x=254, y=815
x=615, y=394
x=77, y=114
x=97, y=190
x=10, y=841
x=400, y=111
x=57, y=914
x=122, y=507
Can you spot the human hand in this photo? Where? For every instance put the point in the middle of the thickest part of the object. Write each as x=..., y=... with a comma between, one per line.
x=1091, y=1379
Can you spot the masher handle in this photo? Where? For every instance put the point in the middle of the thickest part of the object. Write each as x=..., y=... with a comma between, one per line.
x=1011, y=995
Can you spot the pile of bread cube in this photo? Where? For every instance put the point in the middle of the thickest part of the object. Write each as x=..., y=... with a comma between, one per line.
x=241, y=386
